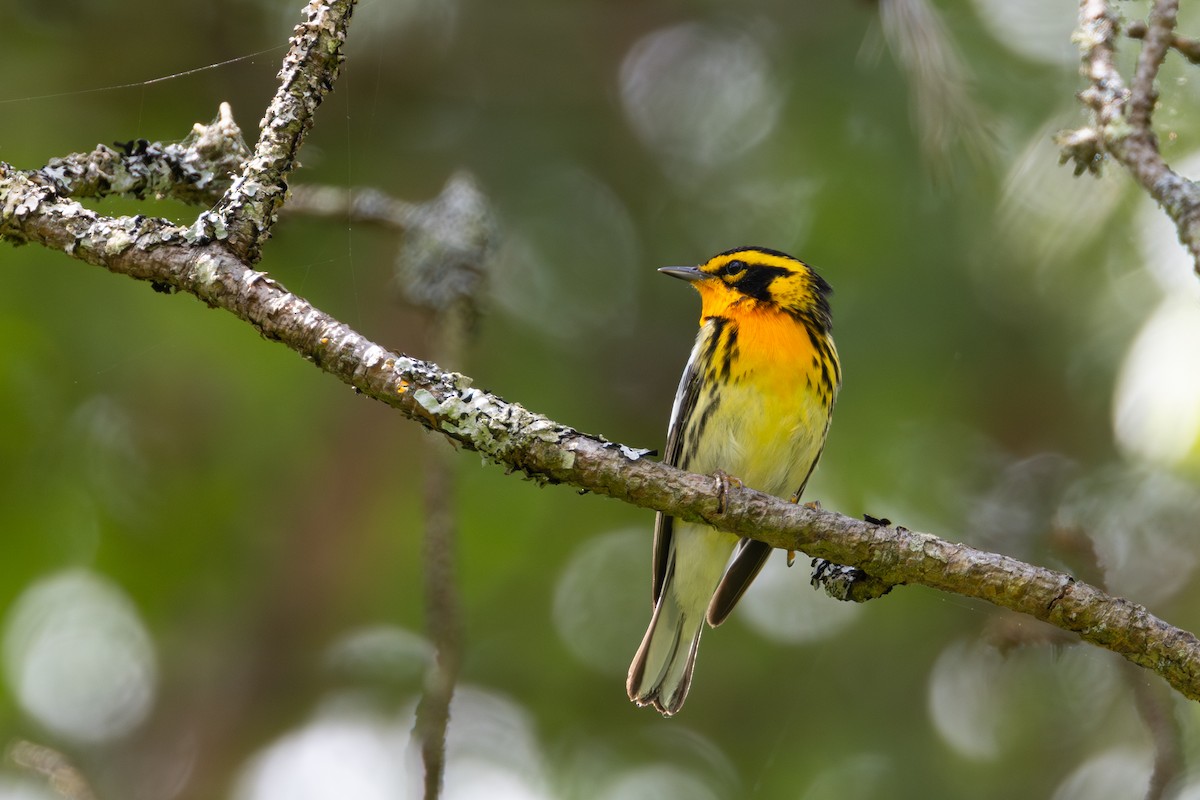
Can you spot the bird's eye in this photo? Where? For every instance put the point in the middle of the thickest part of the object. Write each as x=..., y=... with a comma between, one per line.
x=732, y=268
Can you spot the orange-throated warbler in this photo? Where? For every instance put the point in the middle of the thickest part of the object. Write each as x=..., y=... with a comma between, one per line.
x=754, y=403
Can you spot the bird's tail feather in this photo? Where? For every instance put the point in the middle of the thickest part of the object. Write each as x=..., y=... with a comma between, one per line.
x=661, y=671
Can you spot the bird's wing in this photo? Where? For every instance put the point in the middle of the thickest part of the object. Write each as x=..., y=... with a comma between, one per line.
x=748, y=559
x=685, y=404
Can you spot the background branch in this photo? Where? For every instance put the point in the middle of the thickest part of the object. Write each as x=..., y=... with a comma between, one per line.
x=1122, y=115
x=439, y=267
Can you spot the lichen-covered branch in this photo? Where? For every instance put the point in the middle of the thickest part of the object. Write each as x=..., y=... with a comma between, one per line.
x=549, y=452
x=246, y=213
x=197, y=170
x=1122, y=113
x=201, y=168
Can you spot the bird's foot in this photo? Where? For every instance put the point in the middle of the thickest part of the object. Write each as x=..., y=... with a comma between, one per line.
x=723, y=481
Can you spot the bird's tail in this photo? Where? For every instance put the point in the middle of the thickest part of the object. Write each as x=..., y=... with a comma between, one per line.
x=661, y=671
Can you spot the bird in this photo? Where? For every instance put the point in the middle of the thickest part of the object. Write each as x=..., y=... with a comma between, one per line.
x=753, y=406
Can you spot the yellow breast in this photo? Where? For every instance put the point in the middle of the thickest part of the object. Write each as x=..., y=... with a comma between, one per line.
x=769, y=388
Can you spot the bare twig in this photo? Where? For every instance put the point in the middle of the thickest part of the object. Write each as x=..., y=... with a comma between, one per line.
x=201, y=168
x=1143, y=95
x=442, y=612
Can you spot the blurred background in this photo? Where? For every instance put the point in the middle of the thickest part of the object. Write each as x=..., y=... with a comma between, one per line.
x=211, y=582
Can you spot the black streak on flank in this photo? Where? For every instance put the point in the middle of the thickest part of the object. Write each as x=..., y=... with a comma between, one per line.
x=709, y=357
x=694, y=433
x=730, y=353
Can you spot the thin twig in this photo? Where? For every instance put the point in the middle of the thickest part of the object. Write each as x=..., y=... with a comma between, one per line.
x=1143, y=95
x=1186, y=46
x=442, y=609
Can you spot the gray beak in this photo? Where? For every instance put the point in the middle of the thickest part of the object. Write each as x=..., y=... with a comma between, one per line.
x=683, y=273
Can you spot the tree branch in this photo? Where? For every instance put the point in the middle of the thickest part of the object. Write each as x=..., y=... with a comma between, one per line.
x=1121, y=116
x=246, y=212
x=197, y=170
x=549, y=452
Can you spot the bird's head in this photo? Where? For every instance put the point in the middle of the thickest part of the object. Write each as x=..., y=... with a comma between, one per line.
x=749, y=278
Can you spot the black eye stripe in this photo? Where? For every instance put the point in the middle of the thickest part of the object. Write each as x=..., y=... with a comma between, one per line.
x=757, y=282
x=732, y=268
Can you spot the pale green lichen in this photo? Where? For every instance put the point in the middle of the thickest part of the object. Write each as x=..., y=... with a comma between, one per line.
x=206, y=269
x=426, y=400
x=118, y=242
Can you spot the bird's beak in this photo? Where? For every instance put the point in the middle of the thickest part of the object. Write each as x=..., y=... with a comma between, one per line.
x=683, y=273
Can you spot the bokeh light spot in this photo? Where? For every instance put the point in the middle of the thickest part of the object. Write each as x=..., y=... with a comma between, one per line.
x=568, y=261
x=602, y=601
x=14, y=789
x=78, y=657
x=381, y=653
x=1156, y=410
x=963, y=698
x=355, y=756
x=699, y=95
x=350, y=749
x=1033, y=29
x=782, y=606
x=1115, y=775
x=657, y=782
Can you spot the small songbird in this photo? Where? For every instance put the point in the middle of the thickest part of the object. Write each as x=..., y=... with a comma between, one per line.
x=754, y=404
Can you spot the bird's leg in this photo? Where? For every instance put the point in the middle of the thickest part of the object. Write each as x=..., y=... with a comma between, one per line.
x=723, y=481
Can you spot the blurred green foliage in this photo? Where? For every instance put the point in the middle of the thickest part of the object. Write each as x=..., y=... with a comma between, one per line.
x=265, y=523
